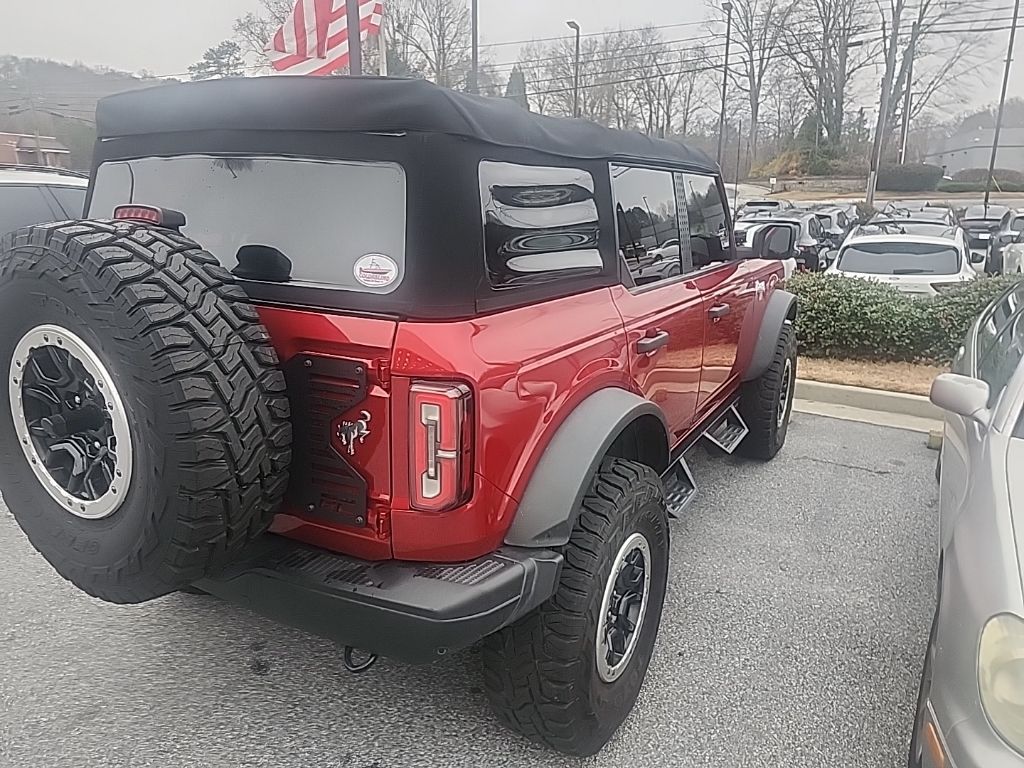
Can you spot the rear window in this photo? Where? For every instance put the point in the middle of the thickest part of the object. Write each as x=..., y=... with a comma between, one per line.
x=980, y=225
x=71, y=199
x=899, y=259
x=340, y=224
x=22, y=205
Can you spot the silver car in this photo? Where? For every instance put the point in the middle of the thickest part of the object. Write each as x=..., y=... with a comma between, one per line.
x=971, y=704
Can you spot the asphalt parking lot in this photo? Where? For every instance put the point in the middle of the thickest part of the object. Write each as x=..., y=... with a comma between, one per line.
x=799, y=598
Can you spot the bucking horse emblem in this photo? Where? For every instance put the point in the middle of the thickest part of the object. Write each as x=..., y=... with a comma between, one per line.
x=351, y=432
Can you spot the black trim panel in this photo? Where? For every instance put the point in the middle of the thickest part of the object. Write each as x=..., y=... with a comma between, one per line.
x=414, y=612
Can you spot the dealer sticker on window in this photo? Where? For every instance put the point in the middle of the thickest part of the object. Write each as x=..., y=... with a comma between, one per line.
x=375, y=270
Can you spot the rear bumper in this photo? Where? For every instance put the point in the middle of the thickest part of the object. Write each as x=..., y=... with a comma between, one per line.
x=414, y=612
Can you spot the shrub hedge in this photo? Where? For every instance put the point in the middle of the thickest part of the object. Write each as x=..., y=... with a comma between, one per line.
x=909, y=178
x=979, y=186
x=847, y=318
x=980, y=175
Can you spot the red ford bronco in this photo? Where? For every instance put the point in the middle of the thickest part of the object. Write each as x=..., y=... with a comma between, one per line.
x=402, y=367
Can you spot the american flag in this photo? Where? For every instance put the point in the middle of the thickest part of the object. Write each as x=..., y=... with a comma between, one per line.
x=314, y=38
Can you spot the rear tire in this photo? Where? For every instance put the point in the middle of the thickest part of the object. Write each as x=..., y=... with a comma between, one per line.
x=193, y=393
x=766, y=403
x=547, y=676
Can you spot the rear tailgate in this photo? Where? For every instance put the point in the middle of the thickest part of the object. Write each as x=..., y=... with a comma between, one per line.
x=337, y=370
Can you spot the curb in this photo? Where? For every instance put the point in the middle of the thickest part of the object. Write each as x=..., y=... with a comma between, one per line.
x=868, y=399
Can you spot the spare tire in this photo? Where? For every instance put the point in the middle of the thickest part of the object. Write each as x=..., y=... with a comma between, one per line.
x=146, y=437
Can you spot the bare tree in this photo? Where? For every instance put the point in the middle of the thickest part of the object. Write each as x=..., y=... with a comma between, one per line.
x=253, y=30
x=437, y=34
x=757, y=33
x=822, y=42
x=933, y=63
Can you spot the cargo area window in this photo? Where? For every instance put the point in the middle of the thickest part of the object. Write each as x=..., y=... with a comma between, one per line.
x=540, y=223
x=337, y=224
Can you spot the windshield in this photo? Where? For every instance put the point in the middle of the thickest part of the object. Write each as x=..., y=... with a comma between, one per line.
x=340, y=224
x=899, y=259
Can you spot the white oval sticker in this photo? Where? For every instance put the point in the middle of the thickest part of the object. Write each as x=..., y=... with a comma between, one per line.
x=375, y=270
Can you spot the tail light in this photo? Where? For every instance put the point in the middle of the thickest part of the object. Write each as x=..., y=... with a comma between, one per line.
x=440, y=474
x=150, y=214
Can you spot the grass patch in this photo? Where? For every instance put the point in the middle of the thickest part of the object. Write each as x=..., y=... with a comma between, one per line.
x=909, y=378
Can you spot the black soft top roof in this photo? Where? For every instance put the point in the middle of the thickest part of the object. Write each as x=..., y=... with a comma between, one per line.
x=371, y=104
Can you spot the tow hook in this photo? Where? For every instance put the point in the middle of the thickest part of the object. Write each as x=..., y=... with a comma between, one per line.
x=351, y=665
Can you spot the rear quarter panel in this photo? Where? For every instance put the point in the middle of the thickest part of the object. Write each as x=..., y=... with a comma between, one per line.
x=528, y=368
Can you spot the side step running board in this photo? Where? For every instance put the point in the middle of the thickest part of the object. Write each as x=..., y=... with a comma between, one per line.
x=680, y=487
x=728, y=432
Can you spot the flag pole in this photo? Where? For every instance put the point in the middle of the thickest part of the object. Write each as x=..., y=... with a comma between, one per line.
x=355, y=38
x=382, y=43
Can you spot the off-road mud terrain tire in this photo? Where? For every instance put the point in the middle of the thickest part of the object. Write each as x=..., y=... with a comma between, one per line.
x=762, y=399
x=542, y=674
x=203, y=399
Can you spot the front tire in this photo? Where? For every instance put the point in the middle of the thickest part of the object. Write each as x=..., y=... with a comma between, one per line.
x=568, y=674
x=766, y=403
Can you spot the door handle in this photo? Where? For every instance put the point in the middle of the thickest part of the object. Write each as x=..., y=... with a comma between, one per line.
x=650, y=344
x=719, y=311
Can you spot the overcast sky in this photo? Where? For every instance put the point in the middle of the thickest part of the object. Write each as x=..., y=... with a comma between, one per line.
x=166, y=37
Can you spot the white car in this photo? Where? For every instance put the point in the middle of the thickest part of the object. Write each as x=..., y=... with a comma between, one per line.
x=31, y=195
x=667, y=250
x=917, y=265
x=1013, y=256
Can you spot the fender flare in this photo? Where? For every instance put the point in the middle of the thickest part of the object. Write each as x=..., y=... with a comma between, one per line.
x=550, y=505
x=781, y=308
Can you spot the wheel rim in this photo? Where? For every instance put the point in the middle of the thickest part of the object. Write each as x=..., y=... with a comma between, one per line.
x=70, y=421
x=624, y=606
x=786, y=395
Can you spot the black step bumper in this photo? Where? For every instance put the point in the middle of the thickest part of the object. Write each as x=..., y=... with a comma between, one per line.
x=415, y=612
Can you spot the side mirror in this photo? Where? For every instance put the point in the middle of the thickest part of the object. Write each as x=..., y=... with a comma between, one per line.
x=774, y=242
x=963, y=396
x=977, y=258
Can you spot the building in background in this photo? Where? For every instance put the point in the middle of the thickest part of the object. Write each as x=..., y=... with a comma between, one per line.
x=20, y=149
x=972, y=148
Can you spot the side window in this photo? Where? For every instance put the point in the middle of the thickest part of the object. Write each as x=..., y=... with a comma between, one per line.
x=999, y=363
x=648, y=224
x=22, y=205
x=814, y=227
x=705, y=222
x=996, y=320
x=841, y=221
x=540, y=223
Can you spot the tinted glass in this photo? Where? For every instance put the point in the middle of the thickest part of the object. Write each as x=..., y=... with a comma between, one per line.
x=645, y=209
x=539, y=223
x=996, y=318
x=997, y=365
x=980, y=225
x=71, y=199
x=814, y=228
x=330, y=219
x=1017, y=225
x=22, y=205
x=899, y=259
x=706, y=220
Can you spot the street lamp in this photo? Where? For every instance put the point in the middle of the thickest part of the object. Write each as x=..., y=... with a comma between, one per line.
x=727, y=7
x=576, y=71
x=474, y=72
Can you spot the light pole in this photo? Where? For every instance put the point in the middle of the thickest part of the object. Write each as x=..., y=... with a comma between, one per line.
x=1002, y=107
x=576, y=70
x=727, y=7
x=474, y=73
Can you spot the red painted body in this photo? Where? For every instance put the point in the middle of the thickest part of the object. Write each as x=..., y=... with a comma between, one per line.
x=527, y=369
